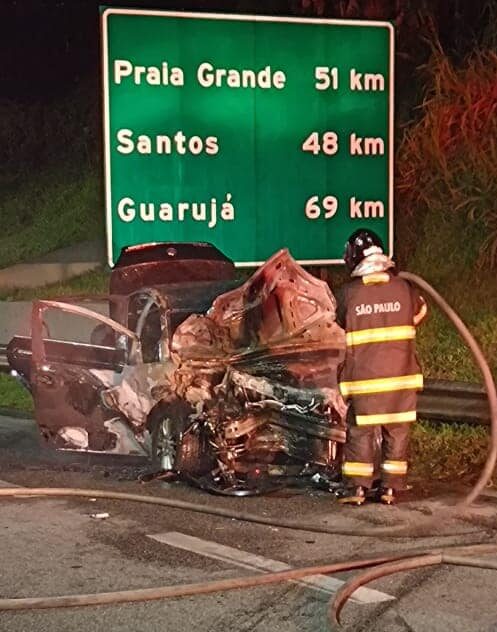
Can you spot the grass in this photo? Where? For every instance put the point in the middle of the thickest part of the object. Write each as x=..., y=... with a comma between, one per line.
x=49, y=210
x=51, y=192
x=444, y=356
x=14, y=395
x=443, y=452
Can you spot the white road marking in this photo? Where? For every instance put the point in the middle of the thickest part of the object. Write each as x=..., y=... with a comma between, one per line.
x=243, y=559
x=7, y=484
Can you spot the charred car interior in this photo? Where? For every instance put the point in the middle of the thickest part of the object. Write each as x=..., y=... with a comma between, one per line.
x=230, y=385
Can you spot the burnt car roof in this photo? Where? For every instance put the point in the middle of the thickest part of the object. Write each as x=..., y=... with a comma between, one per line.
x=168, y=251
x=156, y=264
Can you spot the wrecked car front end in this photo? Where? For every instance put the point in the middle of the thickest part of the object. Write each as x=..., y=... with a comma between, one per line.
x=259, y=372
x=230, y=389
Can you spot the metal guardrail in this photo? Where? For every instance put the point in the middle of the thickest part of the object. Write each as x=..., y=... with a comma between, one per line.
x=440, y=400
x=453, y=401
x=4, y=365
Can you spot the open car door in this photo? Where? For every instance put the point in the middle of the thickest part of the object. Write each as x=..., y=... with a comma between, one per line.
x=70, y=369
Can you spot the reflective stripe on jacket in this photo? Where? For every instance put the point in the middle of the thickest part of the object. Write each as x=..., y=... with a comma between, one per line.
x=381, y=373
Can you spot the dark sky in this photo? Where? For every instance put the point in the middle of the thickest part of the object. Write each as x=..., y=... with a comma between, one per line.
x=48, y=45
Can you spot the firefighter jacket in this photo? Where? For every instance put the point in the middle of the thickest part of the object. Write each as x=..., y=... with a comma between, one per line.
x=381, y=374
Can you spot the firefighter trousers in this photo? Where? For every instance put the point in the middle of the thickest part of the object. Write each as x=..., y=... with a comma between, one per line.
x=365, y=461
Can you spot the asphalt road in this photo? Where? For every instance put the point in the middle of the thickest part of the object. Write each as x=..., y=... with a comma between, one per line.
x=50, y=547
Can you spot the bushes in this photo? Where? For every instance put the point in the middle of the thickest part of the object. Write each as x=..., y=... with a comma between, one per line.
x=447, y=168
x=447, y=207
x=49, y=132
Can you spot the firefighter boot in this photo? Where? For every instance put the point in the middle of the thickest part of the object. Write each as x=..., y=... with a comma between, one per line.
x=352, y=496
x=386, y=495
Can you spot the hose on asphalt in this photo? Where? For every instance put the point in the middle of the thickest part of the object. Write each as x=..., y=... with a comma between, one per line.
x=381, y=566
x=204, y=588
x=396, y=566
x=397, y=531
x=403, y=530
x=390, y=568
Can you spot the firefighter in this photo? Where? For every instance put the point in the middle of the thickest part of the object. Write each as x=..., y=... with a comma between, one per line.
x=381, y=375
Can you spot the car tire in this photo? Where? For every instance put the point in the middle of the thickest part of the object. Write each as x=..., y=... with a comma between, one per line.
x=166, y=424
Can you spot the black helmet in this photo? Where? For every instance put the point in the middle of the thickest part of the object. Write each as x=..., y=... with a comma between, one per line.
x=357, y=246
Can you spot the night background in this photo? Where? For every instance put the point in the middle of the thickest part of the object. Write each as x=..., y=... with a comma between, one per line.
x=52, y=197
x=51, y=181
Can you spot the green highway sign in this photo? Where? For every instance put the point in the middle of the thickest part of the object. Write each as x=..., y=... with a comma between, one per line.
x=252, y=133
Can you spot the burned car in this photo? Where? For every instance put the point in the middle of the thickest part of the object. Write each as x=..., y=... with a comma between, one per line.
x=232, y=387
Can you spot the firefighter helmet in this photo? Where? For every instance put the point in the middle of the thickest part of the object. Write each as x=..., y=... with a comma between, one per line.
x=360, y=244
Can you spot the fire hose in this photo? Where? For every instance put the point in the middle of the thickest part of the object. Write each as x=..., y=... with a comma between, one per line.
x=380, y=566
x=386, y=564
x=488, y=382
x=407, y=564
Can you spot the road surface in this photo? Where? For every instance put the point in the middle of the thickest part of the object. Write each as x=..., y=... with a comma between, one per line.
x=51, y=547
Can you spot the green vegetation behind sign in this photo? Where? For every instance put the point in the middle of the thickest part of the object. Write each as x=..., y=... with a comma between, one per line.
x=252, y=133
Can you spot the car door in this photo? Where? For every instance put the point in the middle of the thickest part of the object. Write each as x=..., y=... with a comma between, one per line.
x=70, y=371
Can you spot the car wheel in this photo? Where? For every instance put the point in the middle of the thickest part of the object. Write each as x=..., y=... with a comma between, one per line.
x=166, y=439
